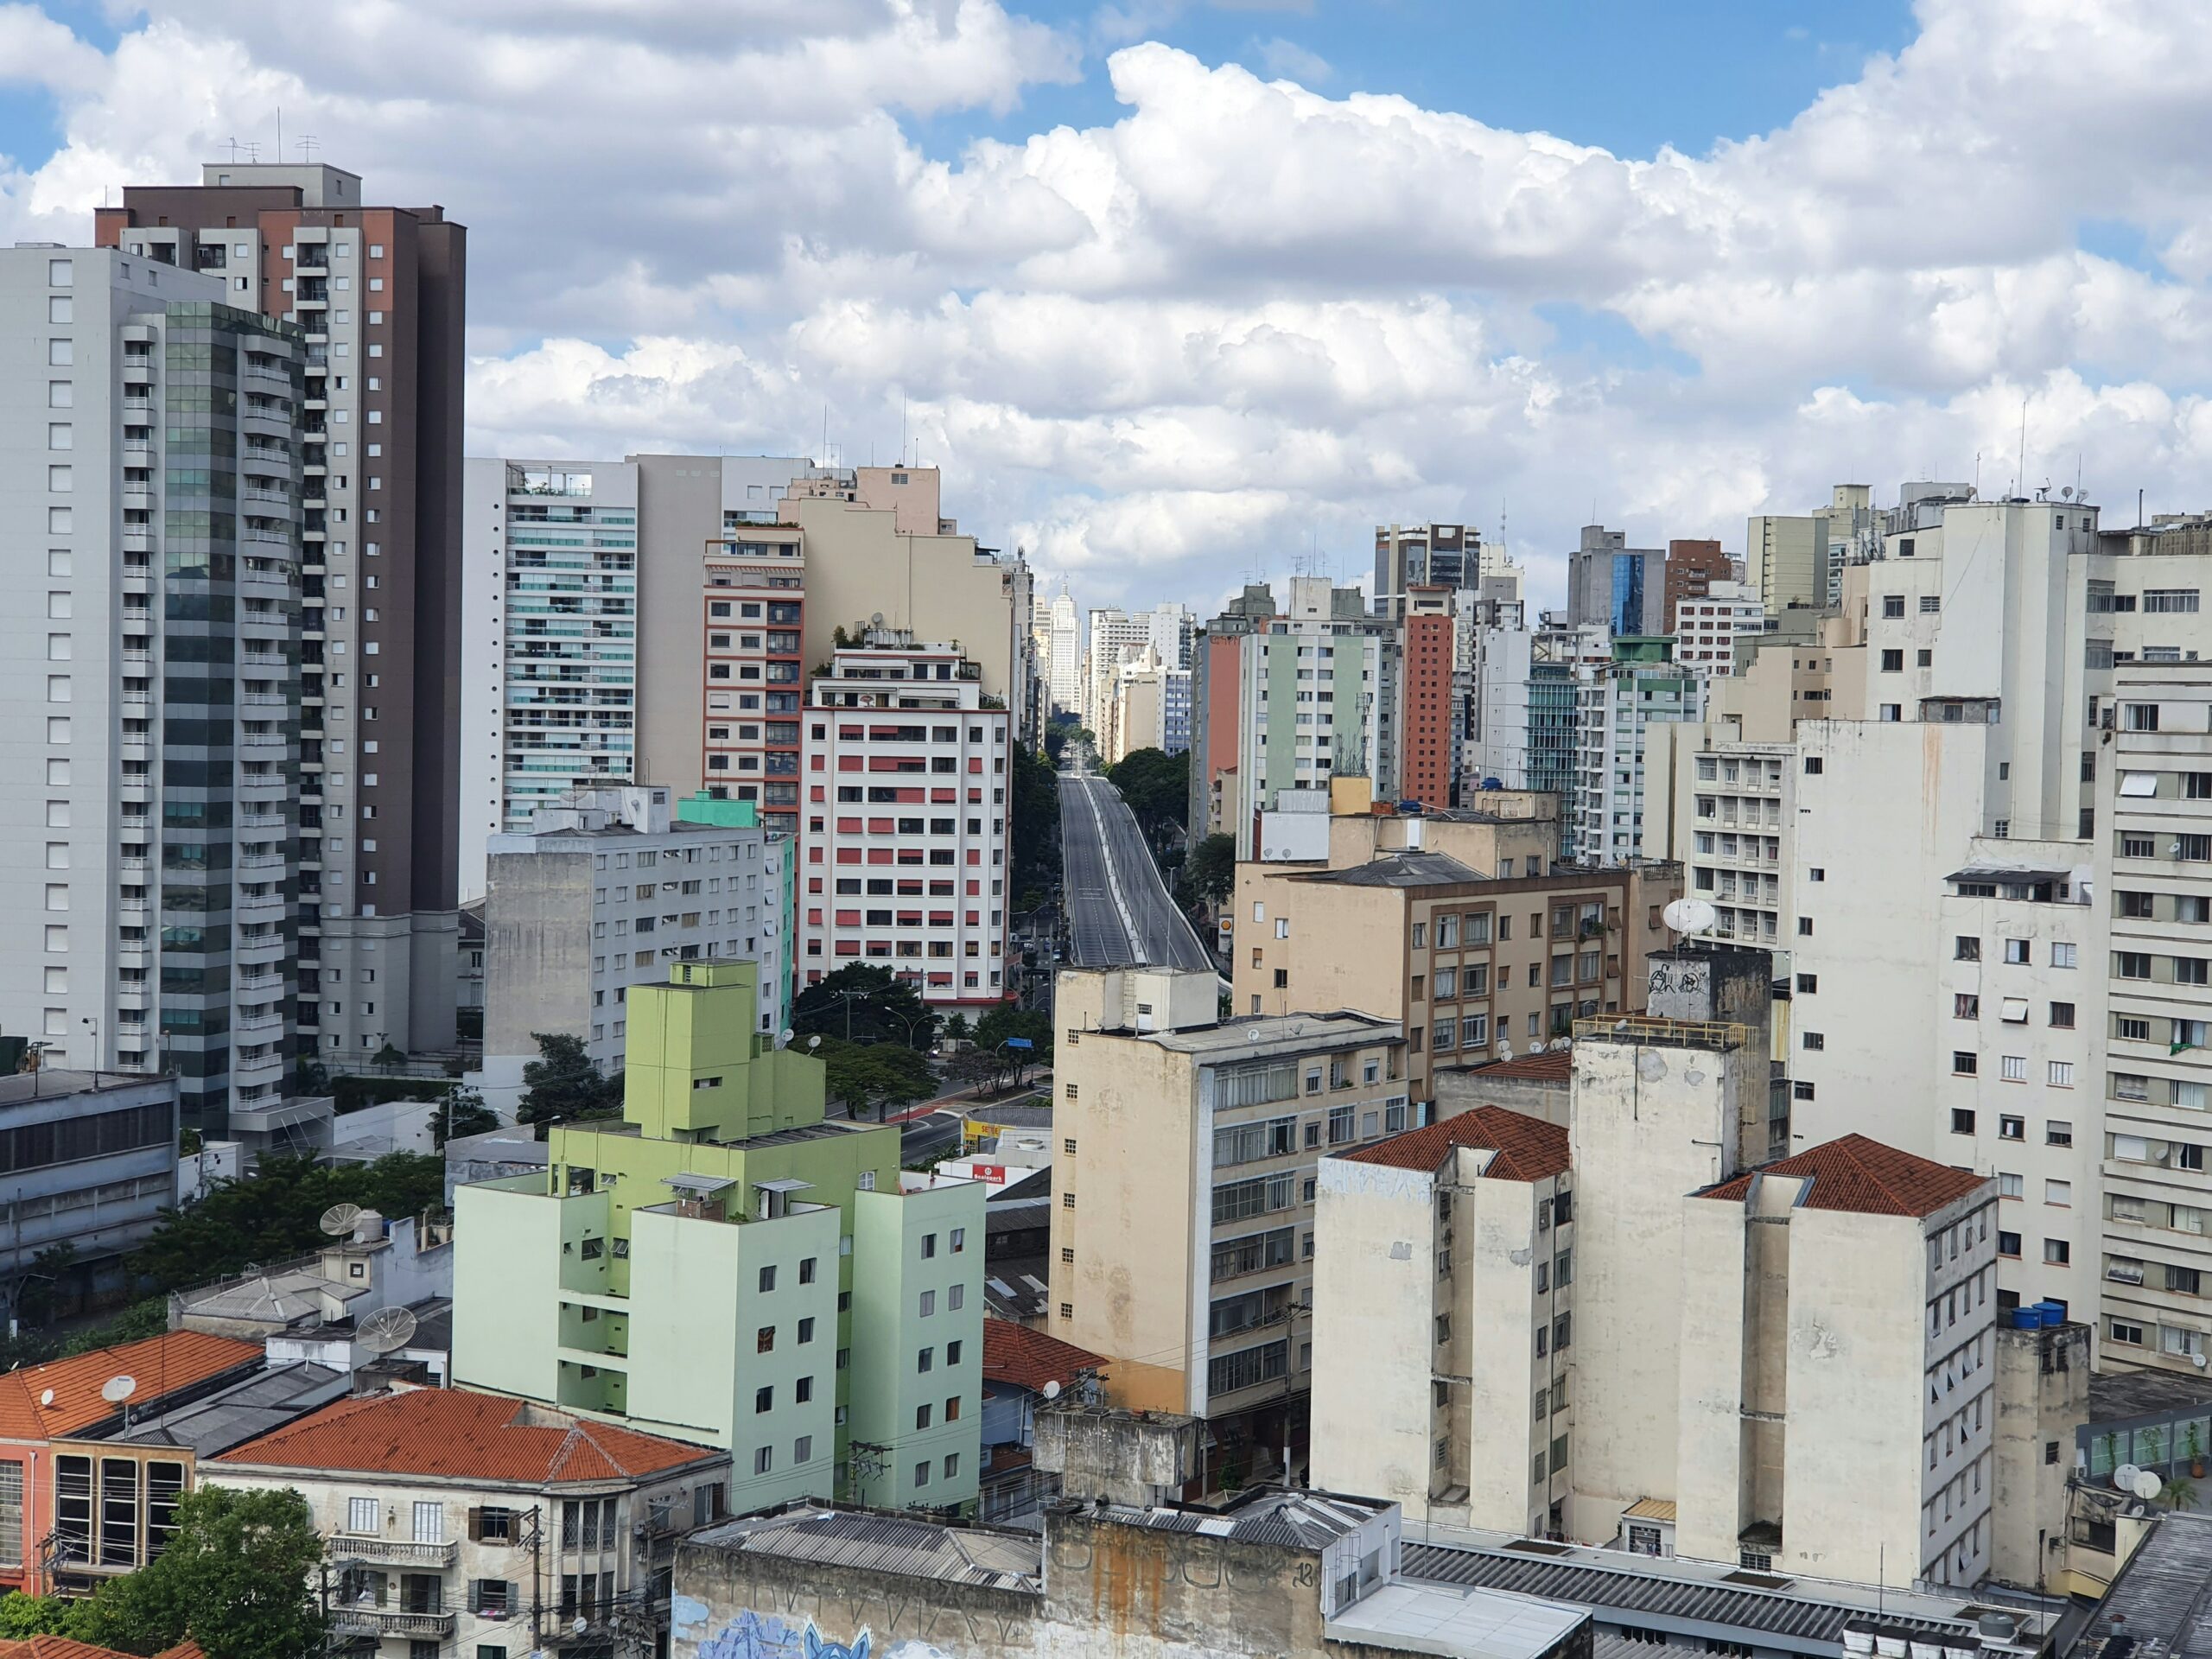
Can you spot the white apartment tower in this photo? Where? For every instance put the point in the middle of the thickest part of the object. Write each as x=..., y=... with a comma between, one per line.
x=549, y=598
x=1063, y=672
x=906, y=836
x=149, y=495
x=1614, y=703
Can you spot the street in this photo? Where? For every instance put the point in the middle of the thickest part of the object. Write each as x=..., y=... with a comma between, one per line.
x=1119, y=911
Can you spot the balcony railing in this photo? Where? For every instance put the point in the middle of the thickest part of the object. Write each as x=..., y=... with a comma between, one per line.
x=392, y=1551
x=384, y=1621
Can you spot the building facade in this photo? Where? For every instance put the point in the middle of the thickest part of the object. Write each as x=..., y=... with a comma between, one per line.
x=152, y=475
x=1407, y=557
x=1692, y=567
x=378, y=295
x=1642, y=686
x=754, y=670
x=906, y=837
x=1707, y=626
x=549, y=686
x=1428, y=708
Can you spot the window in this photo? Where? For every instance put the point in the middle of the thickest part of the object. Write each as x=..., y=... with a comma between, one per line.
x=2059, y=1192
x=1893, y=662
x=2014, y=1068
x=2056, y=1132
x=1964, y=1063
x=2010, y=1127
x=364, y=1516
x=2062, y=1074
x=1962, y=1121
x=2062, y=956
x=2126, y=1332
x=1965, y=1005
x=2057, y=1253
x=2062, y=1015
x=768, y=1278
x=2008, y=1244
x=764, y=1460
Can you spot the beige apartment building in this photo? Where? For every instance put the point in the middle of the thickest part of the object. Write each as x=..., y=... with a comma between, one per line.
x=1636, y=1333
x=1477, y=967
x=2154, y=884
x=1464, y=1229
x=1183, y=1237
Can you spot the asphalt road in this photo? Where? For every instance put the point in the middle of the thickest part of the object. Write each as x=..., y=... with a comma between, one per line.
x=1102, y=855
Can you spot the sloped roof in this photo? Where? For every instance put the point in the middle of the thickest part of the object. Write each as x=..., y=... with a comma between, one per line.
x=1029, y=1359
x=1529, y=1149
x=162, y=1365
x=456, y=1434
x=1547, y=1065
x=1407, y=869
x=1854, y=1174
x=62, y=1646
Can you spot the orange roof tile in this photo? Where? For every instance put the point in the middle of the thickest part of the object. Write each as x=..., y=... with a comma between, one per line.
x=1529, y=1149
x=1863, y=1176
x=62, y=1646
x=1029, y=1359
x=186, y=1649
x=1551, y=1065
x=163, y=1365
x=452, y=1432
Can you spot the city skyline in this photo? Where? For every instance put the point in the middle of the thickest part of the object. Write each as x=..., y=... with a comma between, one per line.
x=1683, y=338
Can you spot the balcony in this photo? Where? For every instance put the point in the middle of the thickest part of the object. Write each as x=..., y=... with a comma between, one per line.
x=380, y=1622
x=392, y=1551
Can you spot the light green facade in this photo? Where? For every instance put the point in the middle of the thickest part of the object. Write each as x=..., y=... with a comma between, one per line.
x=915, y=1273
x=661, y=1272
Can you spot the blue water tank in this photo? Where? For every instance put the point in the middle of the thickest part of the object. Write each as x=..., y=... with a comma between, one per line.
x=1493, y=782
x=1411, y=809
x=2051, y=1314
x=2026, y=1318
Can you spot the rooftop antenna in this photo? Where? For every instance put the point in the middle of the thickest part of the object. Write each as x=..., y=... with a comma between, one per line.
x=903, y=415
x=309, y=144
x=387, y=1329
x=2020, y=478
x=280, y=133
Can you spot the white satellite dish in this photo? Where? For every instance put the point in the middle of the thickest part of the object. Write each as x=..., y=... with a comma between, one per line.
x=2124, y=1478
x=1052, y=1390
x=1690, y=916
x=46, y=1397
x=1504, y=1048
x=338, y=1220
x=116, y=1389
x=2147, y=1484
x=386, y=1329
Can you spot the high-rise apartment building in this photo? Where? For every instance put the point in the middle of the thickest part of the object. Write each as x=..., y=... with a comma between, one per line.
x=1428, y=709
x=549, y=695
x=150, y=473
x=1786, y=560
x=1117, y=637
x=377, y=294
x=1150, y=708
x=1708, y=625
x=754, y=669
x=1692, y=567
x=1216, y=710
x=906, y=836
x=2154, y=884
x=1614, y=703
x=1407, y=557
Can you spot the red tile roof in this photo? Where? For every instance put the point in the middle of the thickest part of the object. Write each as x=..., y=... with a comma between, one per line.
x=1551, y=1065
x=1029, y=1359
x=162, y=1365
x=454, y=1432
x=1529, y=1149
x=1865, y=1177
x=62, y=1646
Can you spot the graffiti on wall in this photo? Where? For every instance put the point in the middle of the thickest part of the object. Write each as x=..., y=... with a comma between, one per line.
x=755, y=1635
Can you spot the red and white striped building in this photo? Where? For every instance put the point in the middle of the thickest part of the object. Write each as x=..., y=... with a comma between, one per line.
x=905, y=772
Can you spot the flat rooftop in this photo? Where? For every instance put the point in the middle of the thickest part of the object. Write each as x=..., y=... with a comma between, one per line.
x=1288, y=1520
x=877, y=1542
x=54, y=1081
x=260, y=1405
x=1457, y=1620
x=2116, y=1397
x=1270, y=1035
x=2153, y=1606
x=1400, y=870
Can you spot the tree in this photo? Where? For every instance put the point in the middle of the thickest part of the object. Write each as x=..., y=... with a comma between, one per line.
x=564, y=1085
x=1156, y=785
x=955, y=1030
x=386, y=1057
x=276, y=1214
x=862, y=1003
x=1210, y=871
x=1032, y=822
x=1009, y=1022
x=22, y=1616
x=870, y=1077
x=972, y=1067
x=462, y=1112
x=237, y=1576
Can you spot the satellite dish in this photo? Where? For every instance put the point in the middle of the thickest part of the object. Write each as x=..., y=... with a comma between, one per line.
x=338, y=1220
x=2126, y=1475
x=116, y=1389
x=1690, y=916
x=1505, y=1048
x=2066, y=493
x=46, y=1397
x=875, y=618
x=1052, y=1390
x=2147, y=1484
x=386, y=1329
x=813, y=1043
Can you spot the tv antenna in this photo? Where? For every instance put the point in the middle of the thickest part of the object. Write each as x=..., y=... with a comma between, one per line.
x=387, y=1329
x=309, y=144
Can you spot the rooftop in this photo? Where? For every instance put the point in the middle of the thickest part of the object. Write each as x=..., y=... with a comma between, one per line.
x=1265, y=1514
x=1527, y=1148
x=1798, y=1615
x=1400, y=870
x=1016, y=1289
x=876, y=1542
x=1030, y=1359
x=2154, y=1602
x=232, y=1416
x=52, y=1081
x=1458, y=1620
x=63, y=1396
x=1855, y=1173
x=454, y=1433
x=62, y=1646
x=1273, y=1035
x=2116, y=1397
x=1546, y=1065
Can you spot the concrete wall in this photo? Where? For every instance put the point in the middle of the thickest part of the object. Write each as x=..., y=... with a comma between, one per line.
x=538, y=950
x=2042, y=1397
x=914, y=1256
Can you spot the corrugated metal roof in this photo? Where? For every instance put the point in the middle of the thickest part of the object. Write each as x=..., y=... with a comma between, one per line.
x=2160, y=1598
x=884, y=1543
x=1285, y=1520
x=1651, y=1509
x=1612, y=1591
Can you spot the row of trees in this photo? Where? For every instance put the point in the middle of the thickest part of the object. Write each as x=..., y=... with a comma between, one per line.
x=239, y=1576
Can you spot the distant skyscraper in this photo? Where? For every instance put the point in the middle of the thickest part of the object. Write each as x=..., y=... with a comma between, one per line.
x=1615, y=586
x=1064, y=672
x=1692, y=569
x=378, y=295
x=1423, y=555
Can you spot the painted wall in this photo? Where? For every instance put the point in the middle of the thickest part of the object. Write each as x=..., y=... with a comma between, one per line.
x=910, y=1251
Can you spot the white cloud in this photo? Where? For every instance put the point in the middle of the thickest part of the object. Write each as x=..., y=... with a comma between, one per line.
x=1243, y=319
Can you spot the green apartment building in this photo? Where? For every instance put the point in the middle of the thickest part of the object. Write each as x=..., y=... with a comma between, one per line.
x=725, y=1265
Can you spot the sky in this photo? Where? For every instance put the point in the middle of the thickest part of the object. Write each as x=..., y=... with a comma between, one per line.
x=1184, y=292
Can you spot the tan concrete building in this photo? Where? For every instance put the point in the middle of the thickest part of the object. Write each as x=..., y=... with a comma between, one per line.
x=1465, y=1227
x=1477, y=967
x=1183, y=1237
